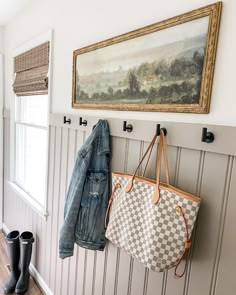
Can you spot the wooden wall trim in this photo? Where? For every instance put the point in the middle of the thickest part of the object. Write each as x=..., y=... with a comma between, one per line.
x=187, y=135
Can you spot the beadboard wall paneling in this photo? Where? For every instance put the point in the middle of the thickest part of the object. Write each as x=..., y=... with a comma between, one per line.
x=207, y=170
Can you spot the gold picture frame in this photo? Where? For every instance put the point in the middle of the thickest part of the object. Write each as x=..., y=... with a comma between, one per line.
x=164, y=67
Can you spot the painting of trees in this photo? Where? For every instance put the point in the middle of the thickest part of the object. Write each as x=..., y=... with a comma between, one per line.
x=176, y=81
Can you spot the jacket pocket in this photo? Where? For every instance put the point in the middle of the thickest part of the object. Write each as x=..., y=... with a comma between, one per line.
x=97, y=182
x=93, y=197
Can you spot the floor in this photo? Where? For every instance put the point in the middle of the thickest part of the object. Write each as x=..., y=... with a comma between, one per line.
x=33, y=288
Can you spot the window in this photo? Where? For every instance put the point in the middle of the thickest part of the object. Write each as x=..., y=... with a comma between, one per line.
x=31, y=133
x=30, y=124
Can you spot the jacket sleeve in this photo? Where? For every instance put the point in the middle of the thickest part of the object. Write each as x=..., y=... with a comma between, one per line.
x=72, y=205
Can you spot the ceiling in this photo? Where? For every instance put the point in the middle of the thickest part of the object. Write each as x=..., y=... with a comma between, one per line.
x=10, y=8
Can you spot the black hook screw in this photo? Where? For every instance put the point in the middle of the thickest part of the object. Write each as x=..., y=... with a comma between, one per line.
x=81, y=122
x=207, y=136
x=158, y=129
x=68, y=121
x=126, y=127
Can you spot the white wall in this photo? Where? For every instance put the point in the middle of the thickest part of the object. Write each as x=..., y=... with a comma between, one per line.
x=78, y=23
x=1, y=136
x=1, y=40
x=1, y=121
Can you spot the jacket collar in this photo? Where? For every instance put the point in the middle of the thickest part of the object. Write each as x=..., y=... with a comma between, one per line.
x=103, y=133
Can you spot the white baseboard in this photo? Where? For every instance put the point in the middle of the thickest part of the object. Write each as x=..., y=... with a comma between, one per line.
x=5, y=229
x=35, y=274
x=33, y=271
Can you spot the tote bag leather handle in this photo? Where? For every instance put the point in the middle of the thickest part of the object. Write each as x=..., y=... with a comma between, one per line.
x=162, y=147
x=150, y=147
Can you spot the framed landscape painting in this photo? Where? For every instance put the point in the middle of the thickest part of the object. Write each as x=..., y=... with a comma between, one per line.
x=167, y=66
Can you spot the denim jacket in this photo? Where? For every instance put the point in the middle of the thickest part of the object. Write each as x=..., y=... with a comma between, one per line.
x=87, y=197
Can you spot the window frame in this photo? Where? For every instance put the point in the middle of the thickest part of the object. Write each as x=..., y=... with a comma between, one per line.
x=17, y=181
x=41, y=209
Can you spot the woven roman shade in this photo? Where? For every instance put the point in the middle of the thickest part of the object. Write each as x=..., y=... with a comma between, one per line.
x=31, y=71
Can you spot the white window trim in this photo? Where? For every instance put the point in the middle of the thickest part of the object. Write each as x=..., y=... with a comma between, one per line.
x=28, y=199
x=42, y=210
x=31, y=125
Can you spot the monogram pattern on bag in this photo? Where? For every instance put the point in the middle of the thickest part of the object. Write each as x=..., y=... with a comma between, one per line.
x=153, y=234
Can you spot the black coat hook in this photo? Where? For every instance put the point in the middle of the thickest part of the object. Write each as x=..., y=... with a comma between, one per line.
x=128, y=127
x=207, y=136
x=67, y=120
x=81, y=122
x=158, y=129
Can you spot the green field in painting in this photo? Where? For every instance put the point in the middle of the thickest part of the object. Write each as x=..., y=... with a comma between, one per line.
x=172, y=74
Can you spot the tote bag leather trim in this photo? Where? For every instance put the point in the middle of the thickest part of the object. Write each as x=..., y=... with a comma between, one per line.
x=169, y=187
x=151, y=229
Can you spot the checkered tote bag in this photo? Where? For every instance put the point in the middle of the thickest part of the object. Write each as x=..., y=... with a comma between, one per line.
x=152, y=221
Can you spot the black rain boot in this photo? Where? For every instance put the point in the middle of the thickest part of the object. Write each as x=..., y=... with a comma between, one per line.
x=26, y=240
x=12, y=240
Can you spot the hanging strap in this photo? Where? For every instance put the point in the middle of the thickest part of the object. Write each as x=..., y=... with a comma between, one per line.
x=150, y=147
x=144, y=171
x=161, y=148
x=187, y=246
